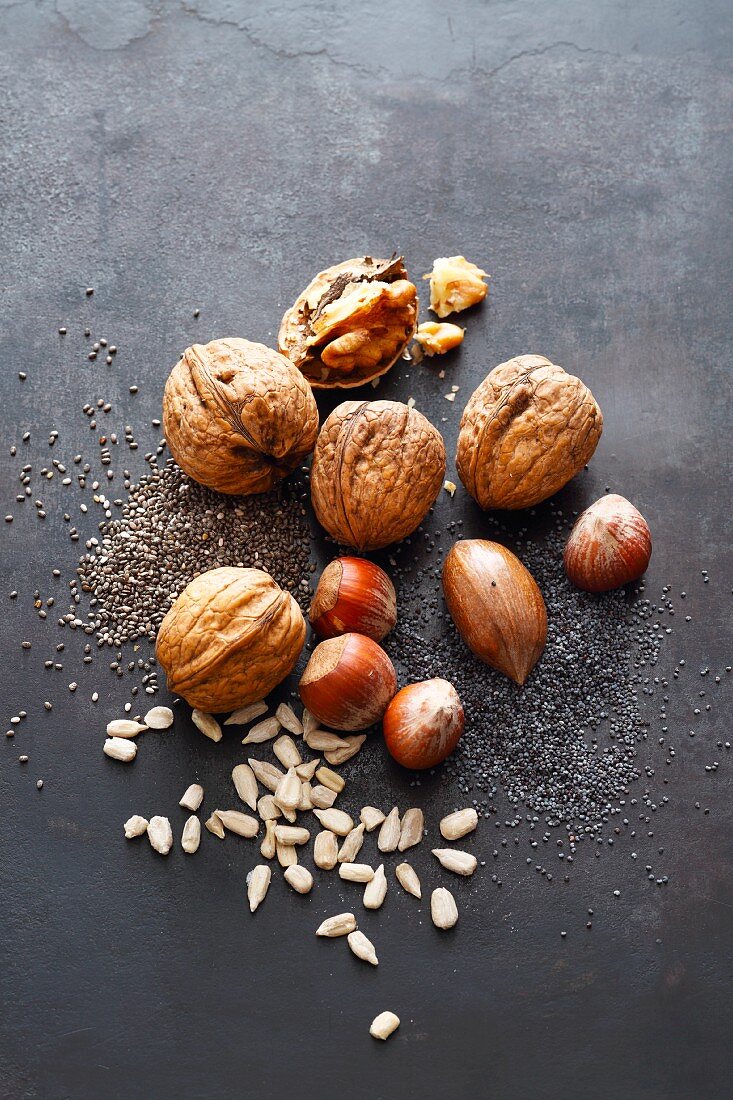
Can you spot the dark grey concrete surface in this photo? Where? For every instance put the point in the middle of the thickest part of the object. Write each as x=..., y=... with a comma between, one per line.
x=214, y=154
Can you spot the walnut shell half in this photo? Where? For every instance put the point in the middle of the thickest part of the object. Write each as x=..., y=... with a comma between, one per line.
x=351, y=323
x=525, y=432
x=238, y=416
x=229, y=639
x=377, y=468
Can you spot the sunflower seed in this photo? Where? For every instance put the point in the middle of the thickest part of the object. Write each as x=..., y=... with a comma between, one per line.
x=408, y=880
x=286, y=854
x=330, y=779
x=135, y=826
x=351, y=847
x=214, y=825
x=258, y=882
x=286, y=751
x=159, y=718
x=307, y=771
x=362, y=947
x=383, y=1025
x=193, y=796
x=376, y=889
x=266, y=774
x=207, y=724
x=323, y=797
x=306, y=802
x=124, y=727
x=309, y=721
x=389, y=834
x=461, y=863
x=335, y=820
x=238, y=823
x=160, y=834
x=246, y=714
x=288, y=719
x=352, y=747
x=120, y=749
x=323, y=741
x=268, y=809
x=268, y=847
x=356, y=872
x=191, y=836
x=287, y=794
x=289, y=834
x=340, y=925
x=411, y=831
x=262, y=731
x=245, y=785
x=459, y=824
x=299, y=878
x=325, y=850
x=443, y=908
x=371, y=817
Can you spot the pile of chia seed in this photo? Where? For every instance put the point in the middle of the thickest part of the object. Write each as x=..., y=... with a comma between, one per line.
x=566, y=744
x=169, y=531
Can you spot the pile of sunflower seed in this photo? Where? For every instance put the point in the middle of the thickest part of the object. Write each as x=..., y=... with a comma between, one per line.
x=566, y=744
x=171, y=529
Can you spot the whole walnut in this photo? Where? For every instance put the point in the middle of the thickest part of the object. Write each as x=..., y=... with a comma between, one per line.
x=351, y=322
x=229, y=639
x=238, y=416
x=377, y=468
x=525, y=432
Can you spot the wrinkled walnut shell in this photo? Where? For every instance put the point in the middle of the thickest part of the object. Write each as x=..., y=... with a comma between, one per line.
x=229, y=639
x=525, y=432
x=238, y=417
x=351, y=323
x=377, y=468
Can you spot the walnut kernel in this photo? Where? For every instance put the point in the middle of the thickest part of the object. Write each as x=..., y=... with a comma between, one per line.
x=455, y=284
x=436, y=338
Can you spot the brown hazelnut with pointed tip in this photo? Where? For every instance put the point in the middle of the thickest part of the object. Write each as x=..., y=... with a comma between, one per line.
x=423, y=723
x=609, y=546
x=353, y=595
x=348, y=682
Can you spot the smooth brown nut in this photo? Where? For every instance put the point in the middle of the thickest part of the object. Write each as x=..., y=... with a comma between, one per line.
x=496, y=606
x=351, y=322
x=377, y=468
x=229, y=639
x=348, y=682
x=525, y=432
x=610, y=545
x=238, y=416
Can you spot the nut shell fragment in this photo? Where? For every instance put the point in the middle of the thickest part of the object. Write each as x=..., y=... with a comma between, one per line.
x=230, y=637
x=238, y=416
x=526, y=431
x=351, y=323
x=377, y=468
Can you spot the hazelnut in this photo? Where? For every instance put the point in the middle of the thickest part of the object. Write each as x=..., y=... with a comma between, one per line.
x=610, y=545
x=423, y=723
x=229, y=639
x=238, y=416
x=436, y=338
x=353, y=596
x=377, y=468
x=348, y=682
x=455, y=284
x=496, y=606
x=351, y=323
x=525, y=432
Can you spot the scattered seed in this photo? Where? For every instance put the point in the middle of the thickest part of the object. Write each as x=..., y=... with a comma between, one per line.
x=286, y=751
x=459, y=824
x=351, y=847
x=356, y=872
x=337, y=821
x=340, y=925
x=351, y=748
x=307, y=771
x=245, y=784
x=322, y=741
x=411, y=832
x=325, y=850
x=290, y=834
x=160, y=834
x=192, y=798
x=408, y=879
x=299, y=878
x=258, y=883
x=245, y=715
x=262, y=731
x=376, y=889
x=159, y=718
x=191, y=836
x=286, y=854
x=443, y=908
x=383, y=1025
x=268, y=847
x=323, y=797
x=330, y=779
x=207, y=724
x=118, y=748
x=214, y=825
x=268, y=809
x=287, y=794
x=266, y=774
x=238, y=823
x=362, y=947
x=288, y=719
x=371, y=817
x=124, y=727
x=135, y=826
x=461, y=863
x=389, y=834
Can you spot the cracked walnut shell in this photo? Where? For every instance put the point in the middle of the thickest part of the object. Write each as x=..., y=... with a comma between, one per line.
x=238, y=416
x=351, y=322
x=377, y=468
x=525, y=432
x=229, y=639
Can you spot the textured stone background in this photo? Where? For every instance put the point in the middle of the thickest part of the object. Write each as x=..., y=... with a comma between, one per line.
x=214, y=154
